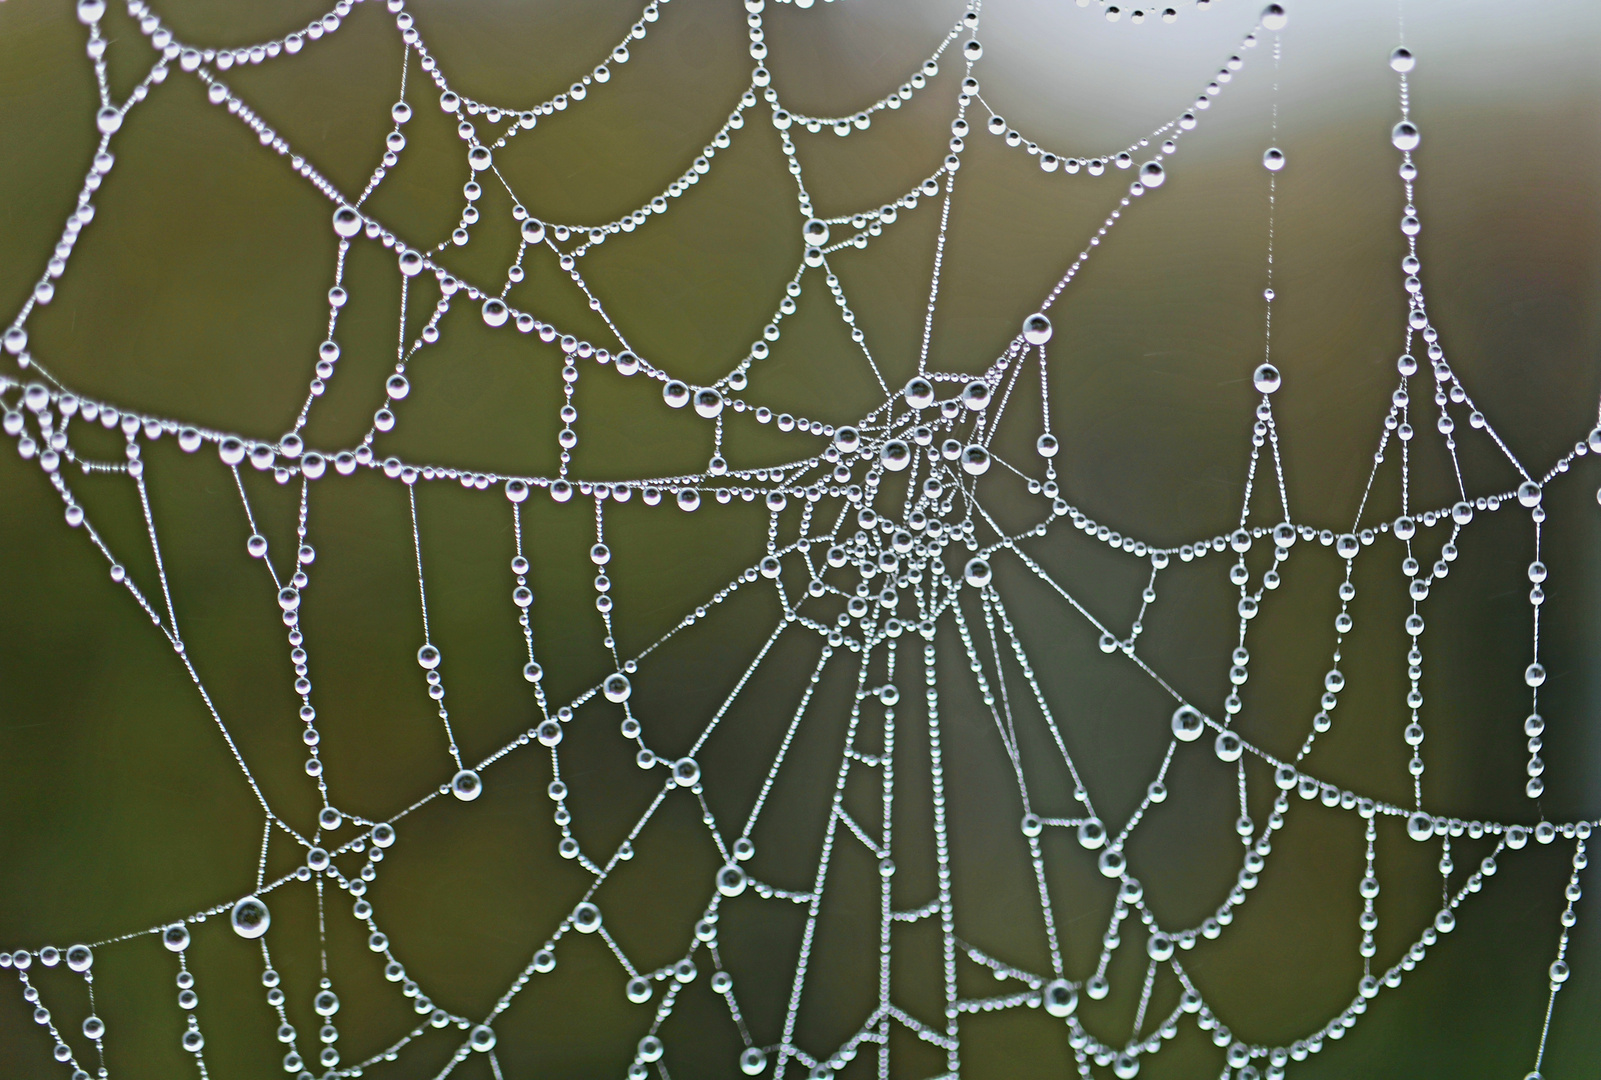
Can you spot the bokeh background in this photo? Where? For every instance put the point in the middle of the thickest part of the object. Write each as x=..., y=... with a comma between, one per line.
x=198, y=293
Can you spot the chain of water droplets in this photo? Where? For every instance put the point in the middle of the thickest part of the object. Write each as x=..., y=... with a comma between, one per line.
x=847, y=512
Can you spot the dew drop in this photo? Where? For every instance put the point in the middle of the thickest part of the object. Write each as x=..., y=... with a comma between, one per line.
x=466, y=785
x=708, y=402
x=895, y=455
x=1037, y=329
x=347, y=222
x=1405, y=135
x=1187, y=723
x=1059, y=997
x=250, y=918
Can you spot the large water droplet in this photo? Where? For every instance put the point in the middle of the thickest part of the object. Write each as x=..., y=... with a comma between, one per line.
x=347, y=222
x=708, y=402
x=1059, y=997
x=1187, y=723
x=1405, y=135
x=586, y=918
x=466, y=786
x=731, y=880
x=919, y=393
x=1036, y=329
x=1228, y=746
x=250, y=917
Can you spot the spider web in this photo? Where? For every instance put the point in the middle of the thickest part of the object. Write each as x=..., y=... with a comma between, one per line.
x=882, y=556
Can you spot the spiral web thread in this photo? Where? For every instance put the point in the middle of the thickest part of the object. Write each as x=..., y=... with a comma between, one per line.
x=887, y=508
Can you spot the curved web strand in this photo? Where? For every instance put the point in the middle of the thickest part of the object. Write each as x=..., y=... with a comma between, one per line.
x=884, y=538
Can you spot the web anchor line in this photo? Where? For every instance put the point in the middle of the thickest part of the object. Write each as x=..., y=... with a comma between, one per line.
x=881, y=544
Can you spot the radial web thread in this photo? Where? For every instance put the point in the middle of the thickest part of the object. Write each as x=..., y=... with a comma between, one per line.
x=890, y=528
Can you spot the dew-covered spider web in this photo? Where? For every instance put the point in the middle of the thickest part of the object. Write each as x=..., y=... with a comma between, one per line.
x=908, y=549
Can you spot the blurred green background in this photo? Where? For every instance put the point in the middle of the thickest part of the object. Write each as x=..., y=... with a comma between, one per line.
x=198, y=293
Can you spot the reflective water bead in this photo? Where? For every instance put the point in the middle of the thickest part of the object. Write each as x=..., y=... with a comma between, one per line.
x=347, y=221
x=1059, y=997
x=586, y=918
x=1228, y=746
x=250, y=917
x=466, y=786
x=1188, y=723
x=895, y=455
x=708, y=402
x=686, y=772
x=919, y=393
x=977, y=573
x=1037, y=329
